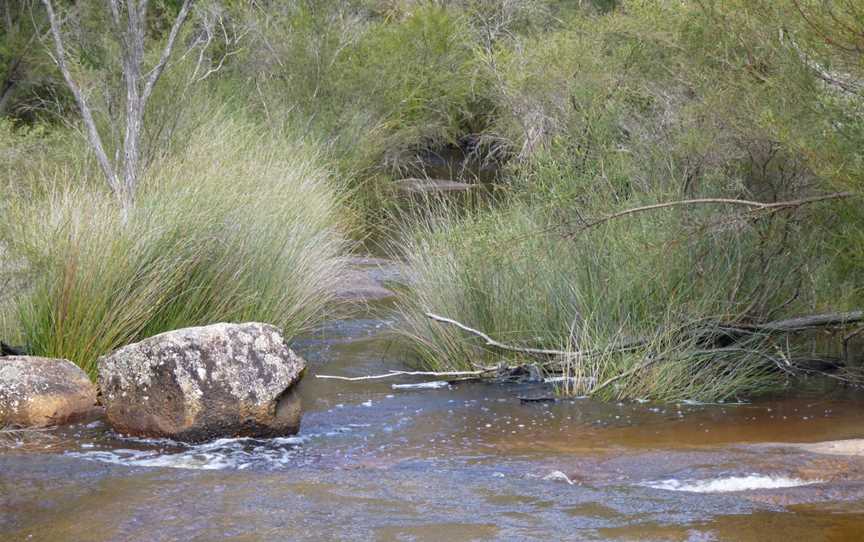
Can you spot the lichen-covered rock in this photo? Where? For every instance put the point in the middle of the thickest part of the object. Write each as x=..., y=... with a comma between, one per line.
x=193, y=384
x=39, y=392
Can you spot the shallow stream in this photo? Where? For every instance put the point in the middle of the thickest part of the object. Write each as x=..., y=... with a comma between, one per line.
x=460, y=462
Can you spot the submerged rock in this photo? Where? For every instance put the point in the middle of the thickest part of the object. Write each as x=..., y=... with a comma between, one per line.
x=356, y=285
x=193, y=384
x=850, y=447
x=40, y=392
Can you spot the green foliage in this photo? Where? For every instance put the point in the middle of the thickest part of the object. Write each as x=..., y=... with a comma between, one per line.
x=652, y=278
x=240, y=226
x=649, y=103
x=590, y=108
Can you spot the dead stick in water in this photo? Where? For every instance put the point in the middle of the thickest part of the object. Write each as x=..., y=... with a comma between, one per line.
x=392, y=374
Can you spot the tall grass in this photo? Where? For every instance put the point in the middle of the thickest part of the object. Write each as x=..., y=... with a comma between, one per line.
x=240, y=225
x=651, y=280
x=646, y=103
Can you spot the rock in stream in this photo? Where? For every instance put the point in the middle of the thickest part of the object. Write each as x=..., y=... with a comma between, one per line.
x=40, y=392
x=194, y=384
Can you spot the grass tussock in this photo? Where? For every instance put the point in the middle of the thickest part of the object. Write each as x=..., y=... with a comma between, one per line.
x=659, y=282
x=239, y=226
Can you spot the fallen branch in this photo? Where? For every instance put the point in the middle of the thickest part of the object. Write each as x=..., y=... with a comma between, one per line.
x=492, y=342
x=735, y=331
x=807, y=322
x=392, y=374
x=848, y=337
x=844, y=83
x=754, y=205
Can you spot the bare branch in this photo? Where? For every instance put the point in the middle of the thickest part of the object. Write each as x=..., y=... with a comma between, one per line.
x=625, y=374
x=805, y=322
x=755, y=205
x=114, y=7
x=846, y=84
x=392, y=374
x=86, y=113
x=156, y=72
x=492, y=342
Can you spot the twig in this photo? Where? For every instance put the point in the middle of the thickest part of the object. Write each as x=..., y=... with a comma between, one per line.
x=625, y=374
x=624, y=347
x=492, y=342
x=755, y=205
x=392, y=374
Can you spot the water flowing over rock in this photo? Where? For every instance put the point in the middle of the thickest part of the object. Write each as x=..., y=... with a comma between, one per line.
x=193, y=384
x=40, y=392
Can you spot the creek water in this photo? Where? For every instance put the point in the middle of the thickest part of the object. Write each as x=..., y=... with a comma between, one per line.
x=460, y=462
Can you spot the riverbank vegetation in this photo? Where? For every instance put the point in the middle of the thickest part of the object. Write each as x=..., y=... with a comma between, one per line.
x=669, y=179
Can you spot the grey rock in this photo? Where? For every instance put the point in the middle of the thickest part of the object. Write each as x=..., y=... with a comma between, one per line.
x=40, y=392
x=193, y=384
x=359, y=286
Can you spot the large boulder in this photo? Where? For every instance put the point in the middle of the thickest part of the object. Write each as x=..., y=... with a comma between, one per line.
x=222, y=380
x=39, y=392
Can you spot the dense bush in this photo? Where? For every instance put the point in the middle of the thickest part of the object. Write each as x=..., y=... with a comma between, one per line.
x=650, y=103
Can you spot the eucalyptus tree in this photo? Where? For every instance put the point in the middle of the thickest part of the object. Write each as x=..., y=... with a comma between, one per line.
x=128, y=23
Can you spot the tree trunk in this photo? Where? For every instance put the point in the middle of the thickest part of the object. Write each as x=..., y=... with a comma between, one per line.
x=138, y=90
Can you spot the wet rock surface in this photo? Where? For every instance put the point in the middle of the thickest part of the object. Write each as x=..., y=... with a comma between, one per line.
x=41, y=392
x=847, y=447
x=357, y=285
x=193, y=384
x=366, y=280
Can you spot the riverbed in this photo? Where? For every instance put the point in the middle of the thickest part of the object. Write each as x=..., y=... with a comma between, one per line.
x=468, y=461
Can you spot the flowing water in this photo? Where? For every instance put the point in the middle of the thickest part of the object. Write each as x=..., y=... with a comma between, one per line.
x=455, y=462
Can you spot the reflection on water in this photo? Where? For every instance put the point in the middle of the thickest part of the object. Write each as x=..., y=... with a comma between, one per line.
x=455, y=462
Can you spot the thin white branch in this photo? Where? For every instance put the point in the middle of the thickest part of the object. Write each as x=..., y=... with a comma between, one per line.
x=393, y=374
x=86, y=114
x=492, y=342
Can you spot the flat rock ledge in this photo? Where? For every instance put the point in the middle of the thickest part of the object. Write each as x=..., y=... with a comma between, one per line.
x=41, y=392
x=850, y=447
x=200, y=383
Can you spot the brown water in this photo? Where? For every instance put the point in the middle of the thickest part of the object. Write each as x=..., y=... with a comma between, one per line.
x=466, y=462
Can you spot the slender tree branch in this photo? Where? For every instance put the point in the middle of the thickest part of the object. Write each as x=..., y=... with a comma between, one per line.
x=754, y=205
x=800, y=323
x=156, y=72
x=81, y=100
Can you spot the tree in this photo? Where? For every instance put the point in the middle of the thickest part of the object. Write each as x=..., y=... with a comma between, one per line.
x=129, y=22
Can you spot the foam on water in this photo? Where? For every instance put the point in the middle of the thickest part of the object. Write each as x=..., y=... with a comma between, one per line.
x=226, y=453
x=729, y=484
